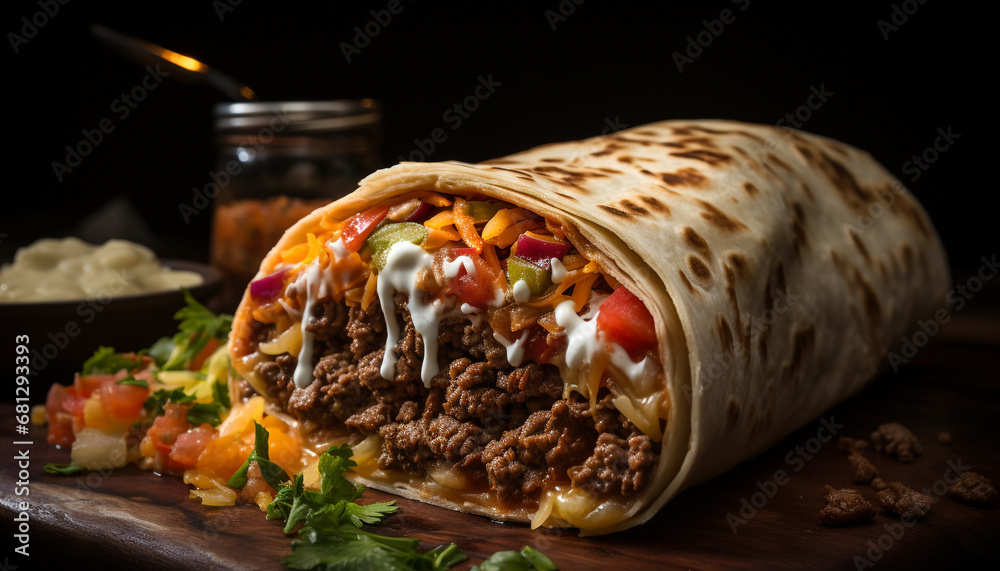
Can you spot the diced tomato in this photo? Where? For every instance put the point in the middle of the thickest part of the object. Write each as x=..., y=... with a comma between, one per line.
x=204, y=354
x=537, y=348
x=87, y=384
x=361, y=225
x=60, y=422
x=191, y=444
x=625, y=320
x=123, y=402
x=477, y=290
x=165, y=431
x=74, y=402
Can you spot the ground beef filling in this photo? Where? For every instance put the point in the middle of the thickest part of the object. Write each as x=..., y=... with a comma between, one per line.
x=505, y=428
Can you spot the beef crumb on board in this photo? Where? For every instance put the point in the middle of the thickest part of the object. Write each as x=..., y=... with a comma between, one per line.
x=862, y=470
x=894, y=439
x=845, y=507
x=973, y=488
x=901, y=499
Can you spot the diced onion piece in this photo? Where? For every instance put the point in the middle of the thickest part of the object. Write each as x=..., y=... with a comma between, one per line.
x=97, y=450
x=288, y=342
x=263, y=499
x=224, y=496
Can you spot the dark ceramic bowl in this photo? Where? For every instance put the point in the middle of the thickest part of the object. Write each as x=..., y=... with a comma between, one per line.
x=61, y=335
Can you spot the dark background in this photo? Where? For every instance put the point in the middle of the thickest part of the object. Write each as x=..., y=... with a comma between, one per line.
x=603, y=64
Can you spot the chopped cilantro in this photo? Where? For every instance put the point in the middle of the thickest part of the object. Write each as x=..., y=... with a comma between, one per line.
x=156, y=401
x=106, y=361
x=331, y=536
x=201, y=413
x=198, y=325
x=63, y=469
x=273, y=474
x=130, y=380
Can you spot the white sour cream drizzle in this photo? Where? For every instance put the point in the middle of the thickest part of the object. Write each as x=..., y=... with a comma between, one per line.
x=402, y=267
x=451, y=268
x=469, y=309
x=312, y=279
x=515, y=350
x=522, y=292
x=558, y=271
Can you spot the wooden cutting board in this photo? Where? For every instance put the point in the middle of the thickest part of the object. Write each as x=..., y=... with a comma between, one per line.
x=137, y=519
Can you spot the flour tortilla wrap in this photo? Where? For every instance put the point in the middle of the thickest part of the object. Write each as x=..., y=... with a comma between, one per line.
x=779, y=268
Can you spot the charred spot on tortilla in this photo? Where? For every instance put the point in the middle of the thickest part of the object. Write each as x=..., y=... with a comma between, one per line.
x=739, y=263
x=751, y=189
x=807, y=191
x=627, y=159
x=553, y=160
x=612, y=210
x=695, y=240
x=726, y=340
x=684, y=177
x=687, y=283
x=711, y=157
x=634, y=208
x=699, y=269
x=858, y=243
x=718, y=219
x=655, y=204
x=732, y=413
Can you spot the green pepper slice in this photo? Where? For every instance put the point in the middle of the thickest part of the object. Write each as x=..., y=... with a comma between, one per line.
x=482, y=211
x=381, y=240
x=538, y=278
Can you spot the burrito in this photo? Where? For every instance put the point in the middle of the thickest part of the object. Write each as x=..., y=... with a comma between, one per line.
x=574, y=334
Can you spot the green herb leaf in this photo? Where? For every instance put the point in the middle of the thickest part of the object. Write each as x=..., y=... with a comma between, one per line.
x=273, y=474
x=161, y=350
x=201, y=413
x=63, y=469
x=197, y=327
x=130, y=380
x=156, y=401
x=528, y=559
x=331, y=537
x=106, y=361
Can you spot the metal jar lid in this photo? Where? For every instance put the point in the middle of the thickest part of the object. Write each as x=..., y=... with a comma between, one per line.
x=298, y=116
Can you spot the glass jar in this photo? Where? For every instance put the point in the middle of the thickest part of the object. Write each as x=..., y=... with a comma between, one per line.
x=278, y=162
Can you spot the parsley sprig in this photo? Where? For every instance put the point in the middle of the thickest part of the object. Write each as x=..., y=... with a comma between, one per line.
x=331, y=535
x=198, y=325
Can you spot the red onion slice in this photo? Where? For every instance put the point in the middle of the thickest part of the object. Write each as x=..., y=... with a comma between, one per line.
x=539, y=251
x=268, y=287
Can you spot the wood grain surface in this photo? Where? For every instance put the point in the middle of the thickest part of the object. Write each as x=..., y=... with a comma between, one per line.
x=135, y=519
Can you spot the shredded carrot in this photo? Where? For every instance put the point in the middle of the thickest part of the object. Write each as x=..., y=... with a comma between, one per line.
x=511, y=234
x=440, y=220
x=354, y=296
x=433, y=198
x=502, y=220
x=499, y=277
x=574, y=262
x=437, y=238
x=370, y=289
x=466, y=226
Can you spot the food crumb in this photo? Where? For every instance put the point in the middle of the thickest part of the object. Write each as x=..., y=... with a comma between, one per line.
x=878, y=484
x=846, y=506
x=848, y=445
x=944, y=437
x=38, y=415
x=973, y=488
x=862, y=470
x=894, y=439
x=903, y=500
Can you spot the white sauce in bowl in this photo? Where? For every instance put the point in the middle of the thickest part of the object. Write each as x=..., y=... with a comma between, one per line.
x=71, y=269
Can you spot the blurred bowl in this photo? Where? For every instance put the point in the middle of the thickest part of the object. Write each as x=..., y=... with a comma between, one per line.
x=61, y=335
